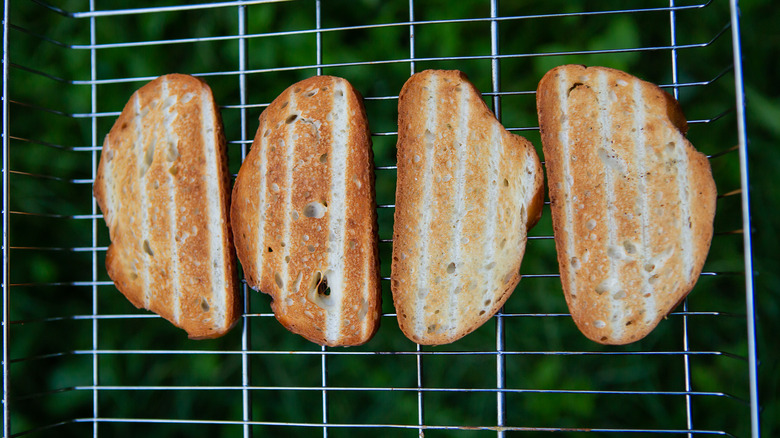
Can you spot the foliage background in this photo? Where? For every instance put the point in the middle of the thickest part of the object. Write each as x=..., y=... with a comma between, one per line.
x=53, y=152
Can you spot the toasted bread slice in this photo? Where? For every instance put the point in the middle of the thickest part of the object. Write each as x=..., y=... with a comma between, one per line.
x=164, y=189
x=467, y=193
x=304, y=213
x=632, y=201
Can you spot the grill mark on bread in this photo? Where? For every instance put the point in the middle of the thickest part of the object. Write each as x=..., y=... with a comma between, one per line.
x=445, y=215
x=282, y=279
x=683, y=183
x=218, y=271
x=647, y=289
x=565, y=198
x=172, y=241
x=140, y=153
x=337, y=155
x=262, y=203
x=422, y=281
x=460, y=149
x=496, y=146
x=108, y=184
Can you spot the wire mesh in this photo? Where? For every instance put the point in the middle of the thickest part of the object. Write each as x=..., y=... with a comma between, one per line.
x=79, y=360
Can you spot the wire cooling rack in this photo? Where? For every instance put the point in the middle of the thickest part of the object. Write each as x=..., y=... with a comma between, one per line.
x=79, y=360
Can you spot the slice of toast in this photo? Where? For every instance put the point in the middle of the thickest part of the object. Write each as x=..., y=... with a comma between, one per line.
x=164, y=190
x=632, y=201
x=468, y=191
x=304, y=213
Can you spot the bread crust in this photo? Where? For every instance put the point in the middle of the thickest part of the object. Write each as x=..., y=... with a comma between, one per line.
x=467, y=193
x=304, y=213
x=631, y=233
x=164, y=190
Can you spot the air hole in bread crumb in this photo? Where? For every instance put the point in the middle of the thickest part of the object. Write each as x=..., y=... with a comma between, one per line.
x=649, y=267
x=575, y=85
x=324, y=158
x=670, y=147
x=297, y=283
x=312, y=92
x=488, y=301
x=629, y=247
x=591, y=224
x=653, y=279
x=432, y=328
x=339, y=93
x=481, y=312
x=204, y=305
x=575, y=263
x=599, y=323
x=603, y=338
x=503, y=243
x=429, y=137
x=291, y=118
x=311, y=248
x=173, y=151
x=287, y=259
x=315, y=210
x=352, y=244
x=279, y=281
x=603, y=286
x=614, y=252
x=270, y=249
x=267, y=133
x=148, y=248
x=323, y=289
x=148, y=157
x=490, y=265
x=451, y=268
x=506, y=182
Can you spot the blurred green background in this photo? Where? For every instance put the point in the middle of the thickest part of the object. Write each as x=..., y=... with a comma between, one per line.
x=59, y=281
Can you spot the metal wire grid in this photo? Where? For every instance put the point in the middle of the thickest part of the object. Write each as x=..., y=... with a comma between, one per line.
x=245, y=351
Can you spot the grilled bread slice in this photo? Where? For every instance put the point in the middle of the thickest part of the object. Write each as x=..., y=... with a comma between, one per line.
x=467, y=193
x=304, y=213
x=164, y=189
x=632, y=201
